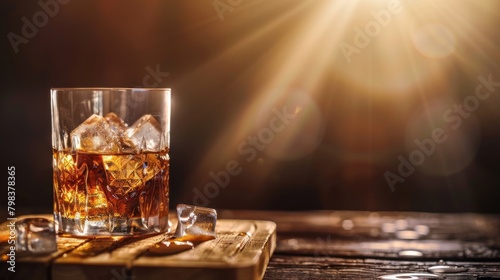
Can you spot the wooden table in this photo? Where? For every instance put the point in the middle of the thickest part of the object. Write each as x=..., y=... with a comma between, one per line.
x=240, y=250
x=364, y=245
x=333, y=245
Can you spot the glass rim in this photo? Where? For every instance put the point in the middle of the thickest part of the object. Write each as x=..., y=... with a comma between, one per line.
x=108, y=89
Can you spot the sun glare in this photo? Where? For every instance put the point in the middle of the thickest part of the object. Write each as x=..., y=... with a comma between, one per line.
x=378, y=50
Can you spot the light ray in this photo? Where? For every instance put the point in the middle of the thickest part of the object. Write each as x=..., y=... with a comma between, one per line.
x=283, y=72
x=409, y=61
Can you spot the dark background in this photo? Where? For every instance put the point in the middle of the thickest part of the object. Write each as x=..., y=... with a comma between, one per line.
x=228, y=74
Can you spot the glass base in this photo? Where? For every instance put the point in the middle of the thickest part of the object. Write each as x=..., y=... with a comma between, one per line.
x=111, y=227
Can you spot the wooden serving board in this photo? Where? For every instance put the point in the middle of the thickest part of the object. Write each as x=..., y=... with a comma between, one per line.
x=241, y=251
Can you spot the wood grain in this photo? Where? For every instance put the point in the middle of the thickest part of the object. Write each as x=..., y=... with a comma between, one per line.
x=309, y=245
x=241, y=250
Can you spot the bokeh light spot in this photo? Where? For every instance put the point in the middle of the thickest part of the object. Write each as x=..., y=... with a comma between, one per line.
x=460, y=138
x=434, y=41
